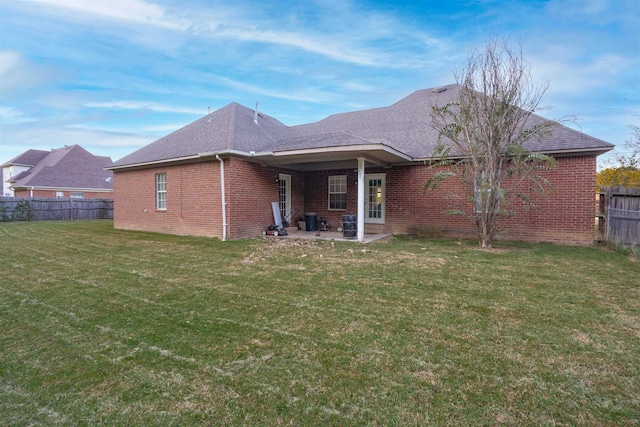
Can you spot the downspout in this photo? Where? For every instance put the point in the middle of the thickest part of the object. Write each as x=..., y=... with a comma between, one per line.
x=223, y=199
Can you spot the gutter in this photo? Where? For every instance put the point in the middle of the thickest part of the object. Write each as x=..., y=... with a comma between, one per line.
x=223, y=199
x=152, y=163
x=198, y=156
x=343, y=149
x=566, y=152
x=45, y=188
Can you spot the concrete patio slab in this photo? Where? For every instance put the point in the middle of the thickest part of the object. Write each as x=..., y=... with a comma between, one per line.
x=294, y=233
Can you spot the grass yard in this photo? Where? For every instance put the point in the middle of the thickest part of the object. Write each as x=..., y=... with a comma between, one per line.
x=108, y=327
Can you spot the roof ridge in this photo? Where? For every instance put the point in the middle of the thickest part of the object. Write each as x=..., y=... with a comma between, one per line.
x=231, y=137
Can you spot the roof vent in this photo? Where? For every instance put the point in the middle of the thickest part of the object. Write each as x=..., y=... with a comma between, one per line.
x=255, y=114
x=439, y=89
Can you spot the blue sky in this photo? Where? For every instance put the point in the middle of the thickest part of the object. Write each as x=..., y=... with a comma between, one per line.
x=114, y=75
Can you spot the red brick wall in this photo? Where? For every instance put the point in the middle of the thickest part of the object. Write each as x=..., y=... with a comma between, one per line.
x=253, y=188
x=193, y=200
x=316, y=195
x=564, y=215
x=51, y=194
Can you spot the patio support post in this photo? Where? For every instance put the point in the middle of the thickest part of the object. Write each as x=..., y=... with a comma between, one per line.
x=360, y=225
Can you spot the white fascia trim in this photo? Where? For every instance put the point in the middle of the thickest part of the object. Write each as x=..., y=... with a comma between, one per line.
x=155, y=162
x=568, y=151
x=40, y=187
x=5, y=165
x=581, y=151
x=344, y=149
x=259, y=154
x=198, y=156
x=236, y=153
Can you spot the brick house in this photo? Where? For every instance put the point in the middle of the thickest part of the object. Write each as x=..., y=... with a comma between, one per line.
x=371, y=163
x=68, y=172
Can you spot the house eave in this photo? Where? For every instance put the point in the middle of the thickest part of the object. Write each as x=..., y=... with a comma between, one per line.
x=343, y=149
x=337, y=157
x=44, y=187
x=142, y=165
x=300, y=159
x=206, y=156
x=15, y=164
x=580, y=152
x=561, y=153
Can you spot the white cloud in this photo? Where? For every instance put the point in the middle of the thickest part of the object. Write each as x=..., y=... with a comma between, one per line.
x=9, y=60
x=319, y=45
x=10, y=115
x=17, y=74
x=309, y=94
x=342, y=31
x=134, y=11
x=141, y=105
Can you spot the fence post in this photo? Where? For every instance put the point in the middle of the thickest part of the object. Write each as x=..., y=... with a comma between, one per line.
x=607, y=202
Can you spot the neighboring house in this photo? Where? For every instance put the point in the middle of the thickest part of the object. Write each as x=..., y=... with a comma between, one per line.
x=17, y=165
x=218, y=176
x=70, y=172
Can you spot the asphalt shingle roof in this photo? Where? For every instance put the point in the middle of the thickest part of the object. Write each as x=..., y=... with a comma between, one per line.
x=403, y=126
x=229, y=128
x=68, y=167
x=28, y=158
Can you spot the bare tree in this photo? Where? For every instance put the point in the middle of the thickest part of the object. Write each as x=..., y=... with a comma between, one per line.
x=631, y=159
x=484, y=131
x=624, y=169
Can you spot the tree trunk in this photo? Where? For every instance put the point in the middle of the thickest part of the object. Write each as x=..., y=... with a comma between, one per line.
x=485, y=230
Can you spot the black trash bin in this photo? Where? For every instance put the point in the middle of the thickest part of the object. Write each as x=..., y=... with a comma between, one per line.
x=349, y=226
x=310, y=221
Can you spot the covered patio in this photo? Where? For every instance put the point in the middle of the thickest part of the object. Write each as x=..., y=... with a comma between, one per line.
x=335, y=154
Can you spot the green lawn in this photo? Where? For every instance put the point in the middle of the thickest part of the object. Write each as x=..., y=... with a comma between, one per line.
x=107, y=327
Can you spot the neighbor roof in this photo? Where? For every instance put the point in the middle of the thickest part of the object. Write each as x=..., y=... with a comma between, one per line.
x=402, y=128
x=67, y=167
x=28, y=158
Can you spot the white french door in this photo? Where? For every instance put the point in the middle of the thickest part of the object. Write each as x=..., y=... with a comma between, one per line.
x=374, y=203
x=284, y=197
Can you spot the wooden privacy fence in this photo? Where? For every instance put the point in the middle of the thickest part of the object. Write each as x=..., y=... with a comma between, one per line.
x=42, y=209
x=619, y=218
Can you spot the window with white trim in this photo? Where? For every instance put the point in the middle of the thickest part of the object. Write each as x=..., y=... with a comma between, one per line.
x=161, y=191
x=59, y=194
x=337, y=192
x=77, y=195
